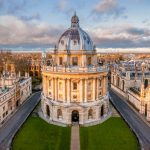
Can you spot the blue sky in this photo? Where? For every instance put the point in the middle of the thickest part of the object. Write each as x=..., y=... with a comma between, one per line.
x=39, y=23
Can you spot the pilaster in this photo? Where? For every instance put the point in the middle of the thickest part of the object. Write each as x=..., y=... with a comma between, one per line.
x=68, y=90
x=53, y=89
x=81, y=90
x=94, y=87
x=64, y=90
x=85, y=92
x=56, y=89
x=97, y=88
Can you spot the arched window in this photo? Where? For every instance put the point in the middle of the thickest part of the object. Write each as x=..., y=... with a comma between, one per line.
x=74, y=61
x=90, y=114
x=59, y=114
x=75, y=86
x=146, y=110
x=102, y=111
x=146, y=83
x=89, y=96
x=47, y=111
x=60, y=60
x=89, y=61
x=89, y=85
x=118, y=81
x=113, y=80
x=100, y=94
x=100, y=83
x=74, y=42
x=48, y=62
x=123, y=85
x=31, y=73
x=36, y=73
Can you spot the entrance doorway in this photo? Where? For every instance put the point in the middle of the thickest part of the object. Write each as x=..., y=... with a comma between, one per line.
x=75, y=116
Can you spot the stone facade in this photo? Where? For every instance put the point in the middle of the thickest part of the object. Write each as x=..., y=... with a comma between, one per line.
x=74, y=86
x=131, y=79
x=14, y=90
x=35, y=67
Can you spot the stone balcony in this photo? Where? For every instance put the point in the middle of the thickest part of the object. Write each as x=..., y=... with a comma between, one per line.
x=75, y=69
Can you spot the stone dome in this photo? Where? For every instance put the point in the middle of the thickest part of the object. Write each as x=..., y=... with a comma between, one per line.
x=75, y=38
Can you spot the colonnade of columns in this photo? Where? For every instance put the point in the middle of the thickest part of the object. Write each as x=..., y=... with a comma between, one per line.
x=98, y=84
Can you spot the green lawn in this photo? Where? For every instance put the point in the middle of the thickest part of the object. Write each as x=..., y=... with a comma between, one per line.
x=36, y=134
x=113, y=134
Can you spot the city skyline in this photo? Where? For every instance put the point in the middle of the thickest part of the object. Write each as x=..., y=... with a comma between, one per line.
x=110, y=23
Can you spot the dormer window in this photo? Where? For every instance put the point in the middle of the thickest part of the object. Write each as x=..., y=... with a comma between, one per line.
x=75, y=42
x=84, y=37
x=62, y=42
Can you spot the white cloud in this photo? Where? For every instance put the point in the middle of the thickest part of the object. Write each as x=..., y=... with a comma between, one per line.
x=16, y=31
x=106, y=5
x=62, y=4
x=121, y=36
x=107, y=8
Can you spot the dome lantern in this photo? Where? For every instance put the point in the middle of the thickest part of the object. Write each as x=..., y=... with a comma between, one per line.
x=75, y=21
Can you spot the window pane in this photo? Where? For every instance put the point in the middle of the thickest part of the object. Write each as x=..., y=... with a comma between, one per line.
x=60, y=60
x=89, y=61
x=75, y=86
x=75, y=61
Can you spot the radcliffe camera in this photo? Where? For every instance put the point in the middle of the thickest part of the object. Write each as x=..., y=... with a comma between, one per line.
x=74, y=75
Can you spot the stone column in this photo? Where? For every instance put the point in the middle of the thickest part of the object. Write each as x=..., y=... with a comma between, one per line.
x=97, y=88
x=68, y=59
x=104, y=85
x=81, y=88
x=56, y=89
x=94, y=88
x=43, y=84
x=52, y=87
x=83, y=60
x=64, y=90
x=85, y=92
x=68, y=90
x=46, y=86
